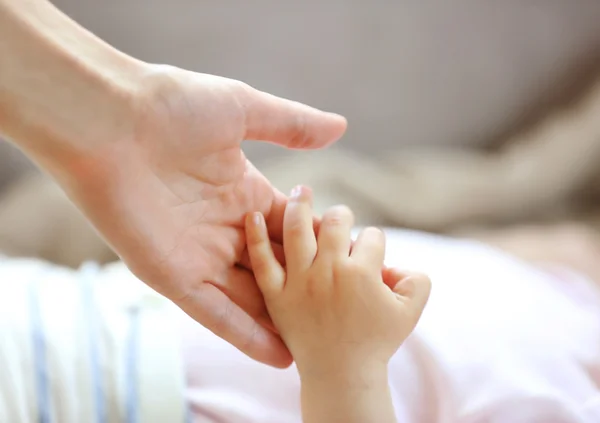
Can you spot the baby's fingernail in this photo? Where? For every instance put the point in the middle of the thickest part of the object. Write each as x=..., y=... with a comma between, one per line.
x=296, y=193
x=258, y=219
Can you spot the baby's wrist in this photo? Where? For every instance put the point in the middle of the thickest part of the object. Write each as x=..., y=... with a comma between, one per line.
x=357, y=379
x=359, y=394
x=347, y=371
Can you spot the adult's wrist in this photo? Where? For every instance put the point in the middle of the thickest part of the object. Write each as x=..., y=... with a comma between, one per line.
x=63, y=91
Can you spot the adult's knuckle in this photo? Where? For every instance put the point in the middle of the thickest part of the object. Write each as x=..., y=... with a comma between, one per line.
x=250, y=338
x=241, y=87
x=298, y=131
x=222, y=320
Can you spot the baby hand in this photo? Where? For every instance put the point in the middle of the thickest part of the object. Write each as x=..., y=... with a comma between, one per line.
x=335, y=305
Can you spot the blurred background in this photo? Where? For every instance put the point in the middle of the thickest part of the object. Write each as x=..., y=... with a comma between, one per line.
x=416, y=80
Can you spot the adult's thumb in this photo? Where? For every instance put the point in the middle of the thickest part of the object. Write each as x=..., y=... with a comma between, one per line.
x=289, y=123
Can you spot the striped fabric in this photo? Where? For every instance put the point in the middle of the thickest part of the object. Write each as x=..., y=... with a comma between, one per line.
x=93, y=345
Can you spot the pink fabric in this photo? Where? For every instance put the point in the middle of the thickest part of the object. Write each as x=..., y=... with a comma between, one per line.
x=500, y=341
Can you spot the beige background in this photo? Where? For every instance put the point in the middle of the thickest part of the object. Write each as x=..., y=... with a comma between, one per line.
x=404, y=72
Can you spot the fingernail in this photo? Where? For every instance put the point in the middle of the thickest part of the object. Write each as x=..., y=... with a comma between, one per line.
x=257, y=219
x=296, y=193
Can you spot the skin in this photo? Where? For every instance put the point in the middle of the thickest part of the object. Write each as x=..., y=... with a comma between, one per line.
x=151, y=155
x=341, y=317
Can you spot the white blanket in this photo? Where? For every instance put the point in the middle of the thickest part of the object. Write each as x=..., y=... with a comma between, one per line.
x=89, y=346
x=499, y=342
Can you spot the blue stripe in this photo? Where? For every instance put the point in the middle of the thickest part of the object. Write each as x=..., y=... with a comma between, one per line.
x=39, y=355
x=131, y=360
x=188, y=414
x=91, y=313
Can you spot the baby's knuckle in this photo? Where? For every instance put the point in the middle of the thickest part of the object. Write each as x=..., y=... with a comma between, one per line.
x=256, y=248
x=355, y=269
x=261, y=266
x=314, y=286
x=342, y=269
x=311, y=289
x=338, y=265
x=318, y=278
x=295, y=226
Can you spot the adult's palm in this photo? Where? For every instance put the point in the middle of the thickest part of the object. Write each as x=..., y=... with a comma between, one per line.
x=171, y=198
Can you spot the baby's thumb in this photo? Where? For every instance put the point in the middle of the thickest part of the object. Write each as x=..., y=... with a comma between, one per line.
x=413, y=288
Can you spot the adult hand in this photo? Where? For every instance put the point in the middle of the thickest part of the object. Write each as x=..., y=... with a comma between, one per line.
x=151, y=154
x=171, y=198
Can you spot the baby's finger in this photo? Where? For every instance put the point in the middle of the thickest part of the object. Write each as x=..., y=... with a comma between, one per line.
x=369, y=248
x=270, y=276
x=299, y=242
x=392, y=275
x=413, y=289
x=277, y=250
x=334, y=237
